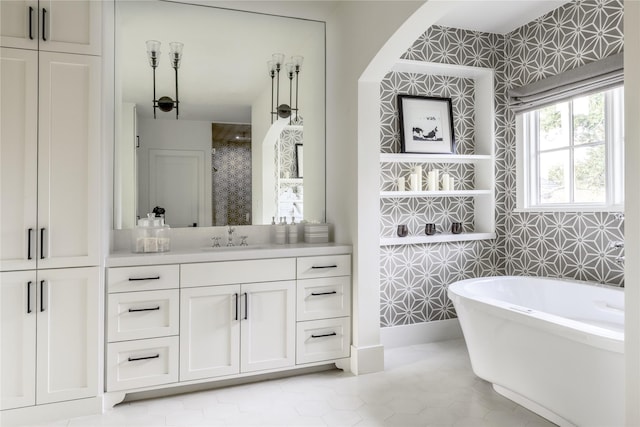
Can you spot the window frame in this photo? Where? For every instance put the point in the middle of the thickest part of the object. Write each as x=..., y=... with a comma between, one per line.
x=527, y=153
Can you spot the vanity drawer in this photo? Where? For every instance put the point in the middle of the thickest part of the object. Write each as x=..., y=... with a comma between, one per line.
x=319, y=340
x=142, y=363
x=136, y=315
x=127, y=279
x=323, y=298
x=232, y=272
x=324, y=266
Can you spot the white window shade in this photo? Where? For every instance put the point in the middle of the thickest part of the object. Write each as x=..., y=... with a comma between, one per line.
x=593, y=77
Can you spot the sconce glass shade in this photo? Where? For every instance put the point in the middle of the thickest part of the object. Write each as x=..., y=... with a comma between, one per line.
x=278, y=59
x=297, y=61
x=290, y=67
x=271, y=67
x=175, y=53
x=153, y=52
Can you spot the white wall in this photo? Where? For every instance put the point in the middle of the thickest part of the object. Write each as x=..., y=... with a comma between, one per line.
x=632, y=211
x=169, y=134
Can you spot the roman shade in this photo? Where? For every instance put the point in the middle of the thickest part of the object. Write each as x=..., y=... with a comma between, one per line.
x=593, y=77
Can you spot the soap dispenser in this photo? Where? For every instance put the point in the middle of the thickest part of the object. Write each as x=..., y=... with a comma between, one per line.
x=281, y=232
x=293, y=231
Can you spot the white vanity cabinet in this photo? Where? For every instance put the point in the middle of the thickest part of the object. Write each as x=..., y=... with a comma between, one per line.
x=49, y=325
x=52, y=25
x=237, y=317
x=229, y=325
x=142, y=326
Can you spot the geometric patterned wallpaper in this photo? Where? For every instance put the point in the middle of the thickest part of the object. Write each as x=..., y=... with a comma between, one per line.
x=570, y=245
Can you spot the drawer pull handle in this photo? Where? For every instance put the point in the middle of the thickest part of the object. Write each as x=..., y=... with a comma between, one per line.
x=246, y=306
x=42, y=308
x=317, y=294
x=237, y=306
x=29, y=297
x=42, y=231
x=30, y=231
x=133, y=359
x=324, y=335
x=324, y=266
x=134, y=310
x=30, y=23
x=135, y=279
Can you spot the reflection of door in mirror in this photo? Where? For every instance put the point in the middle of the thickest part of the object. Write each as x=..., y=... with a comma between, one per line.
x=231, y=173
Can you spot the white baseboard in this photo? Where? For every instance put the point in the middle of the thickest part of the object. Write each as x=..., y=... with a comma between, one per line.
x=43, y=414
x=367, y=360
x=420, y=333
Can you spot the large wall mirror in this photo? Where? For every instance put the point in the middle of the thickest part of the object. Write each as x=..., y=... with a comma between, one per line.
x=225, y=159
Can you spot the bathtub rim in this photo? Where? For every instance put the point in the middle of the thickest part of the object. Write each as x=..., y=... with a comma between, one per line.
x=576, y=330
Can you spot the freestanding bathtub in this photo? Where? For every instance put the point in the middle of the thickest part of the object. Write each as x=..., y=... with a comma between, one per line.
x=554, y=346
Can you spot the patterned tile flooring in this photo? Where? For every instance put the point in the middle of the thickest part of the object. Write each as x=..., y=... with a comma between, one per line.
x=422, y=385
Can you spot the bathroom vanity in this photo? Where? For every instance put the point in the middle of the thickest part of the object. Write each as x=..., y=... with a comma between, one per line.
x=192, y=317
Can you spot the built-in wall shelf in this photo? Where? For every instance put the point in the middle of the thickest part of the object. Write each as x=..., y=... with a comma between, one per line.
x=436, y=238
x=482, y=161
x=433, y=158
x=442, y=193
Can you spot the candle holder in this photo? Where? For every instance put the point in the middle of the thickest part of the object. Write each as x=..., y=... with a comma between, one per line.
x=403, y=231
x=430, y=229
x=456, y=227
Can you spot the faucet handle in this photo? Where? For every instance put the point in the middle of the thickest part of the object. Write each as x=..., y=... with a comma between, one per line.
x=216, y=242
x=243, y=241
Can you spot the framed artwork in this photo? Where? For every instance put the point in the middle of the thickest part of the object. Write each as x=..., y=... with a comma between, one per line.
x=299, y=160
x=426, y=124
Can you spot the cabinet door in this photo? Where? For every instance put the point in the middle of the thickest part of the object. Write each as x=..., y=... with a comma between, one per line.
x=19, y=24
x=17, y=339
x=268, y=326
x=67, y=337
x=18, y=158
x=209, y=332
x=68, y=160
x=70, y=26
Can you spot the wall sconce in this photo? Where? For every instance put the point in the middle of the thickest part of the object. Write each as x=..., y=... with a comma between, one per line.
x=293, y=70
x=165, y=103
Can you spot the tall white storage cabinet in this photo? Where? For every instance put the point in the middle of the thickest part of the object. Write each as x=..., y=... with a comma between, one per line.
x=50, y=170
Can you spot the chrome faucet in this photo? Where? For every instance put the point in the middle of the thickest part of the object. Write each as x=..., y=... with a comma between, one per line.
x=231, y=230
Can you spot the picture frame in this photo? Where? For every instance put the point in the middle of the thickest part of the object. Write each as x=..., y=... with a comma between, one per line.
x=299, y=160
x=426, y=124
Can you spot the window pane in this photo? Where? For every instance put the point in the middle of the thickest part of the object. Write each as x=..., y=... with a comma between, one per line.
x=590, y=175
x=588, y=119
x=554, y=177
x=554, y=126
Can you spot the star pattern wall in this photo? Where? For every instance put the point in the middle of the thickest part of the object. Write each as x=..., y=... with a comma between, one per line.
x=570, y=245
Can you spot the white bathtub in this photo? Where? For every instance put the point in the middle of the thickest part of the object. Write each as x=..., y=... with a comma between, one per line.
x=551, y=345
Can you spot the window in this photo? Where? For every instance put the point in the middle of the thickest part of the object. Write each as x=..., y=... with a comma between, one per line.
x=573, y=154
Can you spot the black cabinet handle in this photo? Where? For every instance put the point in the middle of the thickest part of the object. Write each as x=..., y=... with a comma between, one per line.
x=317, y=294
x=29, y=297
x=135, y=310
x=44, y=24
x=237, y=305
x=246, y=306
x=324, y=335
x=324, y=266
x=135, y=279
x=30, y=23
x=29, y=233
x=133, y=359
x=42, y=296
x=42, y=243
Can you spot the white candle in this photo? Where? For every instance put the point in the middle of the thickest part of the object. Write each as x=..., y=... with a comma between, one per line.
x=413, y=179
x=436, y=179
x=445, y=182
x=418, y=171
x=400, y=183
x=452, y=182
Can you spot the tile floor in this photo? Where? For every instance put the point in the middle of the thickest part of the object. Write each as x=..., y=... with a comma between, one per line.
x=422, y=385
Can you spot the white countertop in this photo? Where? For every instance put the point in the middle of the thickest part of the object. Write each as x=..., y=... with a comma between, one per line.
x=235, y=253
